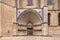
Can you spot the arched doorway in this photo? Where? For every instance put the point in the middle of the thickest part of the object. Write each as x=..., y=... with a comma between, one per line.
x=29, y=28
x=30, y=19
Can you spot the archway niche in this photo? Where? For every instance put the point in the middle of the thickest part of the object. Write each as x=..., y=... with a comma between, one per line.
x=30, y=21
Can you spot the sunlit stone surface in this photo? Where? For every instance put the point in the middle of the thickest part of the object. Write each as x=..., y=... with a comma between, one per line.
x=17, y=17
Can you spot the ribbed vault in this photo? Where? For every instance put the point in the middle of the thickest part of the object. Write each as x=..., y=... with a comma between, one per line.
x=29, y=16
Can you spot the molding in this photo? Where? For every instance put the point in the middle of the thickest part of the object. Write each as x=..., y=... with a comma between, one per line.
x=53, y=25
x=32, y=8
x=53, y=10
x=33, y=35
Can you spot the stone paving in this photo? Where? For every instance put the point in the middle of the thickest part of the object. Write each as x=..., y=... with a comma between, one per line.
x=31, y=38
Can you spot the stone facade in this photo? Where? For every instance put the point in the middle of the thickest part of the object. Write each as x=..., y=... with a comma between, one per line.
x=11, y=10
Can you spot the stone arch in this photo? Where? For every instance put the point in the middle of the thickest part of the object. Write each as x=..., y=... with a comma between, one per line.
x=30, y=15
x=59, y=19
x=27, y=10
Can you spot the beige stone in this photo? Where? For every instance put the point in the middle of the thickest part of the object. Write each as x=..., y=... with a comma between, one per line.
x=8, y=17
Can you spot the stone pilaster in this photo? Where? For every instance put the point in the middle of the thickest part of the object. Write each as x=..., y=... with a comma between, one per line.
x=42, y=3
x=18, y=3
x=45, y=29
x=15, y=22
x=15, y=15
x=45, y=2
x=55, y=4
x=15, y=31
x=45, y=21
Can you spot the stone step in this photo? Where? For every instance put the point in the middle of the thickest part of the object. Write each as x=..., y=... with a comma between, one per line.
x=30, y=38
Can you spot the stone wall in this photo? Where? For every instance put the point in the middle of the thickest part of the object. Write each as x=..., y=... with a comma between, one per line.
x=0, y=19
x=7, y=17
x=54, y=5
x=24, y=4
x=54, y=18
